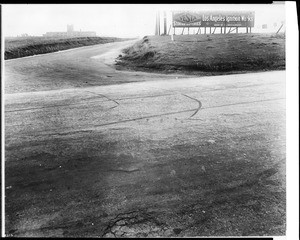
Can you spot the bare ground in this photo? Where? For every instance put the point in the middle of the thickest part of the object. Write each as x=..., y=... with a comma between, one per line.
x=173, y=156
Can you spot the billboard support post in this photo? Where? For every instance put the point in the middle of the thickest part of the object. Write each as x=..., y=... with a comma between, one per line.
x=169, y=30
x=231, y=30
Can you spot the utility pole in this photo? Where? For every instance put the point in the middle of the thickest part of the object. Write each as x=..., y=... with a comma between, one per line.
x=165, y=23
x=157, y=25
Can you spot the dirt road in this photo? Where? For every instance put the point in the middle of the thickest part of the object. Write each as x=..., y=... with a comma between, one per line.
x=91, y=151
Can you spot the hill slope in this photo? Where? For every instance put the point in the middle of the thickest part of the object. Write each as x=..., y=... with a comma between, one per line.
x=206, y=54
x=22, y=47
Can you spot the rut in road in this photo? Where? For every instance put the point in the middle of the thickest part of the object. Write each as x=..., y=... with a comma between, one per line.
x=198, y=101
x=140, y=118
x=101, y=95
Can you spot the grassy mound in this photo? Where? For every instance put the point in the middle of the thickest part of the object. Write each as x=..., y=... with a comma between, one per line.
x=208, y=54
x=22, y=47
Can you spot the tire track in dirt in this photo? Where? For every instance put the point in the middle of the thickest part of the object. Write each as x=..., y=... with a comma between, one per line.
x=101, y=95
x=198, y=101
x=101, y=125
x=81, y=103
x=241, y=103
x=51, y=106
x=141, y=97
x=144, y=117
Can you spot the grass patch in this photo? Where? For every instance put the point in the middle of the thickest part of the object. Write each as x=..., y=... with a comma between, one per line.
x=22, y=47
x=208, y=54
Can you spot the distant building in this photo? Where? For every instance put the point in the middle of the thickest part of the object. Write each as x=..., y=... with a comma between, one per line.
x=70, y=33
x=70, y=28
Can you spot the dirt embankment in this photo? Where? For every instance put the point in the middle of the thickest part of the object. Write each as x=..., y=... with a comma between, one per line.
x=22, y=47
x=206, y=54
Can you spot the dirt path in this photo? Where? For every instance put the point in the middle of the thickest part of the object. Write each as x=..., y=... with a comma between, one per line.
x=165, y=157
x=76, y=68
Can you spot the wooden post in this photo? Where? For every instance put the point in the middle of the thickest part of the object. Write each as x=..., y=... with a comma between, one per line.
x=214, y=30
x=182, y=31
x=169, y=30
x=209, y=30
x=157, y=24
x=165, y=23
x=237, y=30
x=198, y=30
x=250, y=29
x=188, y=30
x=246, y=29
x=221, y=30
x=205, y=30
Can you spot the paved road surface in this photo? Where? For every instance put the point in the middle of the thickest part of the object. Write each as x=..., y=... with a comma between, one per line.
x=91, y=151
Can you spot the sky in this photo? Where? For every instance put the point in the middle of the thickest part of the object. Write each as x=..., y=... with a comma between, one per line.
x=115, y=20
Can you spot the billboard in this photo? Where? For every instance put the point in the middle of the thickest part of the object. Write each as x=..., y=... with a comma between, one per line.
x=213, y=19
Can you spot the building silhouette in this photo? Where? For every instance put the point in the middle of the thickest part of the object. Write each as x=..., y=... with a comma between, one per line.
x=70, y=33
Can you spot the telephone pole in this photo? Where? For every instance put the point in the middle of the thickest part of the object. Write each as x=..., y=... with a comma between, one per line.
x=157, y=25
x=165, y=23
